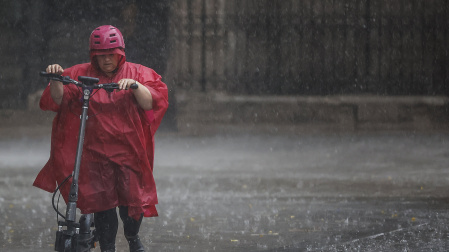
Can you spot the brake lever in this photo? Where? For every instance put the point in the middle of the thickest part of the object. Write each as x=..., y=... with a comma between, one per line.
x=109, y=89
x=66, y=80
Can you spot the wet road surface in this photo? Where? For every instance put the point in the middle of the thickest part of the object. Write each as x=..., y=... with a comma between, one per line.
x=354, y=192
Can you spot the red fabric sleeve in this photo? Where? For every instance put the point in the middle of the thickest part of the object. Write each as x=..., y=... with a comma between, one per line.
x=46, y=102
x=159, y=93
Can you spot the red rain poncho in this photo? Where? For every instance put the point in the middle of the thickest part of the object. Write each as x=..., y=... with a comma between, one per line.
x=117, y=161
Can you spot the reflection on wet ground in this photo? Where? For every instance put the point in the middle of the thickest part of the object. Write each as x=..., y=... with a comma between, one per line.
x=378, y=192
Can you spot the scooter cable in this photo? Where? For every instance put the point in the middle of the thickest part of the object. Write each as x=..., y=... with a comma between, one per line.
x=54, y=194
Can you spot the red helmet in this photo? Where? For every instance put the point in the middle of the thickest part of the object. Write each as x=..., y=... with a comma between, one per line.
x=106, y=37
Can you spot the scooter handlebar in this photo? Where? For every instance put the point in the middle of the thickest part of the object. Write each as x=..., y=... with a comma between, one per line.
x=84, y=79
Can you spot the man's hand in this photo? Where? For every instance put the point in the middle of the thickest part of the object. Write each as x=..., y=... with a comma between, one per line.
x=124, y=84
x=54, y=69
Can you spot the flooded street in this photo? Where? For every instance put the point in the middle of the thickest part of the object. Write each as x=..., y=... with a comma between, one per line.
x=287, y=125
x=349, y=192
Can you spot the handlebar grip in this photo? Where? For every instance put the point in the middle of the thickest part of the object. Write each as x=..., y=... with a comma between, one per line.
x=49, y=75
x=134, y=86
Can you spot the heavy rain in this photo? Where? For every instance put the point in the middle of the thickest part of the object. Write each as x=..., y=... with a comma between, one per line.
x=307, y=125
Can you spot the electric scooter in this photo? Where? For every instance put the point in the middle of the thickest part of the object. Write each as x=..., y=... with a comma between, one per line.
x=73, y=236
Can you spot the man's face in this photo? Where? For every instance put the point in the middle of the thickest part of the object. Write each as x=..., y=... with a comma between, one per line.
x=108, y=62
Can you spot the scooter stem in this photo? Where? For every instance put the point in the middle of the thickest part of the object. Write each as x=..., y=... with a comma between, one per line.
x=73, y=195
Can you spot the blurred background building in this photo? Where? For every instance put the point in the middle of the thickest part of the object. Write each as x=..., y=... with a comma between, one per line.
x=216, y=52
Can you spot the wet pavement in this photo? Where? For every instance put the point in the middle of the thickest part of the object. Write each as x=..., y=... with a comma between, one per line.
x=347, y=192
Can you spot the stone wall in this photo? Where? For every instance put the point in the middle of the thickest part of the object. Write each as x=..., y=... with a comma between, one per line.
x=310, y=47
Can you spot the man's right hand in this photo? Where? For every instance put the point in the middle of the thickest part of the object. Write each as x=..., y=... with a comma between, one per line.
x=54, y=69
